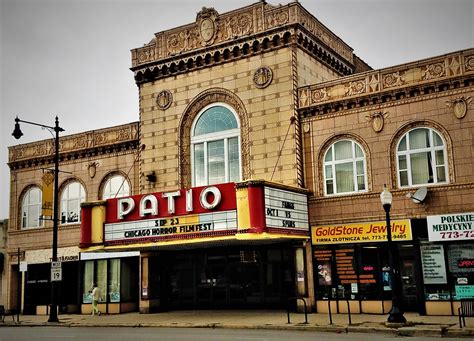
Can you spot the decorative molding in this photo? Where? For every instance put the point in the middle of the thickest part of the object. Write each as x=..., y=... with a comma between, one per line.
x=421, y=74
x=263, y=77
x=377, y=119
x=459, y=106
x=235, y=35
x=164, y=99
x=210, y=28
x=113, y=139
x=205, y=98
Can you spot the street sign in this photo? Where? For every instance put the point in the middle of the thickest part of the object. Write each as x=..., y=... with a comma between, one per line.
x=56, y=272
x=23, y=266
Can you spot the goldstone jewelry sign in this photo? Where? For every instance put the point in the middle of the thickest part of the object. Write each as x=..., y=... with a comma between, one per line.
x=449, y=227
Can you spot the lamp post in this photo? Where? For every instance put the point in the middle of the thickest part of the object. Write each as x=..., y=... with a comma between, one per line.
x=17, y=133
x=396, y=313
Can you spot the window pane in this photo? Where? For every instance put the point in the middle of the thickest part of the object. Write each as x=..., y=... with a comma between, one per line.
x=421, y=172
x=114, y=280
x=101, y=278
x=360, y=167
x=233, y=154
x=329, y=187
x=116, y=187
x=441, y=174
x=71, y=198
x=344, y=178
x=403, y=144
x=31, y=208
x=216, y=162
x=404, y=178
x=328, y=172
x=360, y=183
x=215, y=119
x=402, y=162
x=343, y=150
x=438, y=142
x=328, y=155
x=419, y=138
x=358, y=151
x=88, y=282
x=439, y=157
x=199, y=177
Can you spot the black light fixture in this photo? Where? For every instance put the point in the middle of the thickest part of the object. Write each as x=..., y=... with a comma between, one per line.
x=17, y=133
x=396, y=313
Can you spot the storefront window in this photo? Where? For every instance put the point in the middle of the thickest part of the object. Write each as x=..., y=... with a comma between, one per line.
x=461, y=266
x=351, y=272
x=101, y=278
x=421, y=158
x=88, y=282
x=114, y=280
x=215, y=146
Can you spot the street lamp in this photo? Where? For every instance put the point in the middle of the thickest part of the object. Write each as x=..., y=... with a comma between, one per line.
x=17, y=133
x=396, y=313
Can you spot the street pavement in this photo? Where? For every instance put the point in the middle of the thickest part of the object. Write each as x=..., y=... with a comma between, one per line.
x=446, y=326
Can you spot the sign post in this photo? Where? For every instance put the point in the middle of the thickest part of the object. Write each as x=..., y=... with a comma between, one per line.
x=56, y=272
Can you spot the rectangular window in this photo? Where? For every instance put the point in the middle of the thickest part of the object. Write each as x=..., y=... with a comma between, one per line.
x=199, y=175
x=114, y=280
x=101, y=278
x=216, y=162
x=344, y=177
x=88, y=282
x=421, y=168
x=233, y=152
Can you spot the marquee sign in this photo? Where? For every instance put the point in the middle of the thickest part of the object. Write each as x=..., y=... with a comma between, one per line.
x=196, y=210
x=241, y=210
x=285, y=209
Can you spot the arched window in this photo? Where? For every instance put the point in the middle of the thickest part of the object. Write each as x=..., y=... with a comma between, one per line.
x=71, y=197
x=344, y=168
x=421, y=158
x=215, y=146
x=31, y=208
x=115, y=187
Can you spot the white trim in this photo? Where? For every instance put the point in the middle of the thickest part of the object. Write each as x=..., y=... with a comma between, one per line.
x=107, y=255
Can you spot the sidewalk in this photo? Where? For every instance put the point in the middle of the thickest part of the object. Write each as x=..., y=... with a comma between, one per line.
x=258, y=319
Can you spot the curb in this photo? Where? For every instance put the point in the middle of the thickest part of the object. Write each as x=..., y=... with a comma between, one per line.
x=412, y=331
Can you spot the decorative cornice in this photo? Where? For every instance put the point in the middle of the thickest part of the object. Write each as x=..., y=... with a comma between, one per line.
x=436, y=74
x=239, y=34
x=82, y=145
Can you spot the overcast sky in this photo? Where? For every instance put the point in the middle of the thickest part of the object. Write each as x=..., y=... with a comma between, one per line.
x=71, y=58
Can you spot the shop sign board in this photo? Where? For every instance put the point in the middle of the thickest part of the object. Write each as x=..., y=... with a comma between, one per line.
x=433, y=264
x=285, y=209
x=193, y=211
x=450, y=227
x=361, y=232
x=464, y=291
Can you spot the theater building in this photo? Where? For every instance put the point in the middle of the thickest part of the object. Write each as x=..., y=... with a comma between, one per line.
x=253, y=176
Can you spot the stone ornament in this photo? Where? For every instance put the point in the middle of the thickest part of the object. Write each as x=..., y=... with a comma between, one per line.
x=206, y=23
x=262, y=77
x=92, y=168
x=459, y=106
x=164, y=99
x=377, y=119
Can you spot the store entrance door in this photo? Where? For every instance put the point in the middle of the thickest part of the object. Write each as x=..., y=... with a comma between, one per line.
x=407, y=271
x=212, y=282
